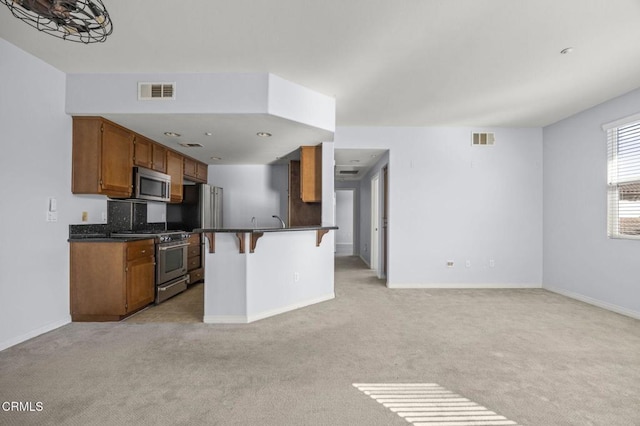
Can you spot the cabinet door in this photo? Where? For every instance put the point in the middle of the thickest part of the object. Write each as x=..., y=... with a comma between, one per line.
x=311, y=174
x=142, y=152
x=159, y=158
x=140, y=282
x=116, y=161
x=190, y=168
x=97, y=281
x=202, y=172
x=175, y=170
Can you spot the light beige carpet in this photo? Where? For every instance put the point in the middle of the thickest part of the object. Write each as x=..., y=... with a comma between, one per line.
x=534, y=357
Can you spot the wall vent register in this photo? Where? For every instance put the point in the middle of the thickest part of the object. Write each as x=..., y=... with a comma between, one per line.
x=156, y=91
x=483, y=139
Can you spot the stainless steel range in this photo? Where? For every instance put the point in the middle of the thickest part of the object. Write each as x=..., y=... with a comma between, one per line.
x=171, y=260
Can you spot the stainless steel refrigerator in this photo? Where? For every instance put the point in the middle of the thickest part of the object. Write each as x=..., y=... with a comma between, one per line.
x=201, y=207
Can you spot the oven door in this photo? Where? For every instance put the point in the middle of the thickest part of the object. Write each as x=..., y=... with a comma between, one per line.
x=171, y=261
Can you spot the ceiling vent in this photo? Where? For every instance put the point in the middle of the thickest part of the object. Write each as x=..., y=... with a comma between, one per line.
x=348, y=172
x=483, y=138
x=191, y=145
x=156, y=91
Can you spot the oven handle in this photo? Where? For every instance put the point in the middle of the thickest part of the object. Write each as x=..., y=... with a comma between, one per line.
x=167, y=286
x=172, y=246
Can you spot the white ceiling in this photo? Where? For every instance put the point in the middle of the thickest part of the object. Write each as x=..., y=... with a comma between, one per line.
x=353, y=164
x=387, y=63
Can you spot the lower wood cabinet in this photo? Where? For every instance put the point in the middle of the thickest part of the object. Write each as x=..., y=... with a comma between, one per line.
x=111, y=280
x=195, y=268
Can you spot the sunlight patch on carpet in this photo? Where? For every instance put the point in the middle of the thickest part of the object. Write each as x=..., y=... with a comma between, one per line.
x=429, y=404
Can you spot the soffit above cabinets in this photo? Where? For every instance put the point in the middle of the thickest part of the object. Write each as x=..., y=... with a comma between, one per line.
x=245, y=118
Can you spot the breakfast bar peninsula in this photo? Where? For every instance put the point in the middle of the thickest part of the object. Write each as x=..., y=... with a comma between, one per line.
x=251, y=274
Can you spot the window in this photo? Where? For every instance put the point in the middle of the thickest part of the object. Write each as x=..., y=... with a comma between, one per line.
x=623, y=140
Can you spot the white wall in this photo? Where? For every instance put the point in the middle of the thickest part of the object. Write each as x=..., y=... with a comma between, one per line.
x=35, y=164
x=252, y=190
x=579, y=259
x=328, y=170
x=451, y=201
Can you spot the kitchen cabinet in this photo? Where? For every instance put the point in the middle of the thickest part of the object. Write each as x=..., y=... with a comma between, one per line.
x=149, y=154
x=311, y=174
x=159, y=158
x=175, y=168
x=102, y=158
x=195, y=170
x=195, y=267
x=111, y=280
x=143, y=152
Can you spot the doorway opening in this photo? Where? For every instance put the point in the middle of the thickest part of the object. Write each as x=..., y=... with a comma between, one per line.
x=345, y=221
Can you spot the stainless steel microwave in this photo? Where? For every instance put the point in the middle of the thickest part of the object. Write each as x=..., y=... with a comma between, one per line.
x=151, y=185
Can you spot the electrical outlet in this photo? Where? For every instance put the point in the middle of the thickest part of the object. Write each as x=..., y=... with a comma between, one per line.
x=468, y=263
x=296, y=277
x=449, y=263
x=492, y=263
x=104, y=217
x=85, y=216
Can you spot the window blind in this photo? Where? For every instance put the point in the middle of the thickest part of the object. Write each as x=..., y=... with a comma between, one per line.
x=623, y=143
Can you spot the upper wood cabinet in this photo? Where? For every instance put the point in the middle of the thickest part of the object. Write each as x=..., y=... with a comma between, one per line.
x=143, y=152
x=195, y=170
x=102, y=158
x=159, y=162
x=311, y=174
x=175, y=169
x=149, y=154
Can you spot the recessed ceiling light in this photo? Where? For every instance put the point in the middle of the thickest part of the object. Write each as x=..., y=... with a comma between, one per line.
x=567, y=50
x=355, y=161
x=208, y=133
x=172, y=134
x=264, y=134
x=216, y=158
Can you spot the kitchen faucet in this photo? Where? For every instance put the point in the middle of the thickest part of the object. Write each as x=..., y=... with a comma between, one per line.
x=280, y=219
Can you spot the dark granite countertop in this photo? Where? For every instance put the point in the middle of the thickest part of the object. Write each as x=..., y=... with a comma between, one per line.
x=260, y=230
x=84, y=238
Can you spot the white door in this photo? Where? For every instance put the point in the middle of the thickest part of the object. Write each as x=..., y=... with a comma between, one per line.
x=375, y=226
x=344, y=222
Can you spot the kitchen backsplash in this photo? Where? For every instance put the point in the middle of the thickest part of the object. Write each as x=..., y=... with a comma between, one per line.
x=122, y=215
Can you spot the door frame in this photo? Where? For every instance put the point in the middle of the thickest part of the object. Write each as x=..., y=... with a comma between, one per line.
x=375, y=224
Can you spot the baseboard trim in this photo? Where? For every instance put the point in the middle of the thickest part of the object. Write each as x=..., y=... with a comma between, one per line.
x=246, y=319
x=292, y=307
x=225, y=319
x=34, y=333
x=595, y=302
x=463, y=286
